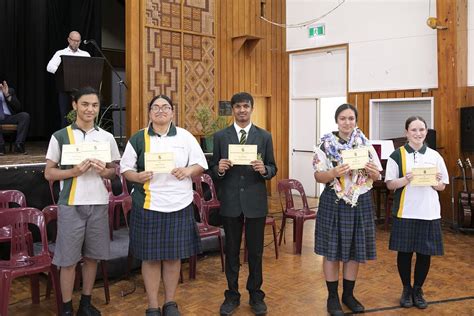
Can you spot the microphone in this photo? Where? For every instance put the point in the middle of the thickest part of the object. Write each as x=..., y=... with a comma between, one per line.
x=88, y=41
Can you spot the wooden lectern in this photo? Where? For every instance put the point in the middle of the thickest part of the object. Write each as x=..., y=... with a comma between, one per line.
x=76, y=72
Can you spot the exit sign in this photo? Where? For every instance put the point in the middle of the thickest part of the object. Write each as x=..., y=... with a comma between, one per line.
x=316, y=30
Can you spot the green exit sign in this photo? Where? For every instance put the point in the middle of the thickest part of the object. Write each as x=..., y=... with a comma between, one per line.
x=316, y=30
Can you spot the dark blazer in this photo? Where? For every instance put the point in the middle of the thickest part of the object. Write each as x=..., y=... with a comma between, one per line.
x=241, y=189
x=14, y=104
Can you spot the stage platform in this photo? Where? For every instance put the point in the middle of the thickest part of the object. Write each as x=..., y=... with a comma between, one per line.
x=36, y=154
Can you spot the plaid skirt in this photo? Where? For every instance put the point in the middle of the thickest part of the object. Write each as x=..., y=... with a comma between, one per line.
x=345, y=233
x=164, y=236
x=417, y=235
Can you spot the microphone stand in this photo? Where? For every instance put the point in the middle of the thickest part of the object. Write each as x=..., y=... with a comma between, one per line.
x=121, y=84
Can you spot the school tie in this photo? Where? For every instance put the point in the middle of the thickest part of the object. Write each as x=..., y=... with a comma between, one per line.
x=243, y=136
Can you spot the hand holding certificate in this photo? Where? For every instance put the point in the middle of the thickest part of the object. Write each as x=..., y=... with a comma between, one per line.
x=77, y=153
x=242, y=154
x=159, y=162
x=424, y=176
x=355, y=158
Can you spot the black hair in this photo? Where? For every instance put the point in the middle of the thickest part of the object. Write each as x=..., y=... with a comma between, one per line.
x=343, y=107
x=77, y=94
x=414, y=118
x=160, y=96
x=241, y=97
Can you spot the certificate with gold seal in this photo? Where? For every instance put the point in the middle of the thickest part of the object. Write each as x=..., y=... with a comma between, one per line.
x=242, y=154
x=159, y=162
x=424, y=176
x=356, y=158
x=74, y=154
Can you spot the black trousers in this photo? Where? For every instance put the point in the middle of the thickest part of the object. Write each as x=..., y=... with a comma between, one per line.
x=22, y=120
x=254, y=235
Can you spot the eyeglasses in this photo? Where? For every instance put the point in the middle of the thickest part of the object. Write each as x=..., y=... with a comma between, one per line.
x=75, y=41
x=164, y=108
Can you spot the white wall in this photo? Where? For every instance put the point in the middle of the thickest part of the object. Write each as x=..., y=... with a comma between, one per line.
x=390, y=45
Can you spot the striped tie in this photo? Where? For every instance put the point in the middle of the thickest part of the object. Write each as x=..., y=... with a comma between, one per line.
x=243, y=137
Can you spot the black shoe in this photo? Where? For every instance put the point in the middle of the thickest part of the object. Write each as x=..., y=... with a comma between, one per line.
x=87, y=310
x=418, y=299
x=334, y=306
x=2, y=150
x=20, y=149
x=171, y=309
x=258, y=307
x=354, y=305
x=229, y=306
x=153, y=312
x=67, y=313
x=406, y=300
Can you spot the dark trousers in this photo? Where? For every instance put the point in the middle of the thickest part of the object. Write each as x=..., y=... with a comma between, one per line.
x=22, y=121
x=254, y=235
x=64, y=101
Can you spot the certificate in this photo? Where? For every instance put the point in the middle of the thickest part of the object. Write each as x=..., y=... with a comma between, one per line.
x=159, y=162
x=424, y=176
x=356, y=158
x=74, y=154
x=242, y=154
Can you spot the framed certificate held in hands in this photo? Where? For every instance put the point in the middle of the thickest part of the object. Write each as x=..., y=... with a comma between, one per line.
x=356, y=158
x=242, y=154
x=77, y=153
x=159, y=162
x=424, y=176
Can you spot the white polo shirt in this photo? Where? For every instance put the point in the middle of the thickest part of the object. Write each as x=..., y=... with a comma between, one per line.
x=88, y=188
x=416, y=202
x=164, y=192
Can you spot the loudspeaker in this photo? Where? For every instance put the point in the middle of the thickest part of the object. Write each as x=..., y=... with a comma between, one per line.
x=430, y=139
x=467, y=129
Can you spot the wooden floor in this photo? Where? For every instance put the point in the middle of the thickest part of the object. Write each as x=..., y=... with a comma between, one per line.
x=36, y=153
x=294, y=284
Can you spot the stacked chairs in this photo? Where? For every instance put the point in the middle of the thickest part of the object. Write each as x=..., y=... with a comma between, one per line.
x=22, y=261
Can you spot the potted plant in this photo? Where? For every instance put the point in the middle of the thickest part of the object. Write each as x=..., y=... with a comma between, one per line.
x=210, y=123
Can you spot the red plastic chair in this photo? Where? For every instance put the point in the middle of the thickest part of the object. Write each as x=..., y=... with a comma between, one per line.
x=213, y=202
x=115, y=201
x=22, y=262
x=205, y=230
x=12, y=196
x=51, y=215
x=299, y=215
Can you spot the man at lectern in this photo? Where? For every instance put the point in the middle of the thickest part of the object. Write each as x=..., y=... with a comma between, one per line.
x=74, y=40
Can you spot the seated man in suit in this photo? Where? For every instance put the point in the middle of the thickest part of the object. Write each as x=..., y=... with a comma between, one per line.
x=10, y=113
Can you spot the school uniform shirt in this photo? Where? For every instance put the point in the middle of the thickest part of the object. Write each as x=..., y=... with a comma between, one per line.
x=164, y=192
x=415, y=202
x=89, y=187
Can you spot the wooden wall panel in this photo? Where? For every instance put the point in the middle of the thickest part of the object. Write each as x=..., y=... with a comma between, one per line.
x=263, y=72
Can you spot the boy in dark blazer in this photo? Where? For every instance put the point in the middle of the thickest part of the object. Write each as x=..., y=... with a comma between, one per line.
x=243, y=196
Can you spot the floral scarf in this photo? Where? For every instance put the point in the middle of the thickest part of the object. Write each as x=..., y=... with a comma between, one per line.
x=359, y=178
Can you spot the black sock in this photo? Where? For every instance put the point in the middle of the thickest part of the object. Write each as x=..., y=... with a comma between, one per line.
x=404, y=267
x=332, y=288
x=85, y=299
x=348, y=287
x=67, y=306
x=422, y=266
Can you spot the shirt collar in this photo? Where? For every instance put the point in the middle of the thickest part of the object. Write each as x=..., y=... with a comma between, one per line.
x=74, y=126
x=411, y=150
x=246, y=128
x=170, y=132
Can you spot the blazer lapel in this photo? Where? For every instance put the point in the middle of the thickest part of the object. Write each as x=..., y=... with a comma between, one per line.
x=232, y=135
x=252, y=135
